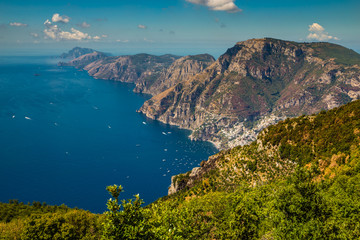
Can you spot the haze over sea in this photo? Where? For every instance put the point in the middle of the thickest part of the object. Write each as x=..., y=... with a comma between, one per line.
x=65, y=136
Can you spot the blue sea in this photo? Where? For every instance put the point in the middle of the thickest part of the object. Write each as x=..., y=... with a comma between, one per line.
x=65, y=136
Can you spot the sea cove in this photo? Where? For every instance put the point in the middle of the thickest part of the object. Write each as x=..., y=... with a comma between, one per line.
x=65, y=136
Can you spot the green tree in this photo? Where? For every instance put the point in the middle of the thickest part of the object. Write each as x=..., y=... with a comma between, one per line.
x=125, y=220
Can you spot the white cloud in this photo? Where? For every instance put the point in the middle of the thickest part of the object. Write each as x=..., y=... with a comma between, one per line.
x=317, y=32
x=142, y=26
x=18, y=24
x=57, y=18
x=218, y=5
x=84, y=25
x=74, y=35
x=99, y=37
x=52, y=31
x=315, y=27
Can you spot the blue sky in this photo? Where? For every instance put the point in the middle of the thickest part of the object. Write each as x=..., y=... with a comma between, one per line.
x=171, y=26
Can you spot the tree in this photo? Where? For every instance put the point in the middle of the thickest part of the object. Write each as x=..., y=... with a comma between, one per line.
x=125, y=220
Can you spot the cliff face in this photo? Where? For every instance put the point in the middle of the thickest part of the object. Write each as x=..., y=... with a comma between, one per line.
x=256, y=83
x=132, y=69
x=177, y=72
x=151, y=74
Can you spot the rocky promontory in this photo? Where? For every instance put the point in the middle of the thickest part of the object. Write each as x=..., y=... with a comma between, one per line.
x=151, y=74
x=257, y=83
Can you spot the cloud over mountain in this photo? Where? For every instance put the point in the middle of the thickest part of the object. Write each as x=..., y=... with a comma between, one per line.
x=317, y=32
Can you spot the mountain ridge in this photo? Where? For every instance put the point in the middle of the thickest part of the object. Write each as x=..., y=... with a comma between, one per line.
x=151, y=74
x=256, y=83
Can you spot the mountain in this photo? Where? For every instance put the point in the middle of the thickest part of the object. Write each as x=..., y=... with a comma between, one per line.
x=178, y=71
x=84, y=60
x=76, y=52
x=131, y=68
x=257, y=83
x=151, y=74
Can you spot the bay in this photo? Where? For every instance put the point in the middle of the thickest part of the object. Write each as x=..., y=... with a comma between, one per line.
x=65, y=136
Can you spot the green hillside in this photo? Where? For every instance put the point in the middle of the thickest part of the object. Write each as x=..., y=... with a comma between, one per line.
x=341, y=54
x=299, y=180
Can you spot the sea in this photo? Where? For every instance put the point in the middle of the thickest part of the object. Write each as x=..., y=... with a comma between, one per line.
x=65, y=136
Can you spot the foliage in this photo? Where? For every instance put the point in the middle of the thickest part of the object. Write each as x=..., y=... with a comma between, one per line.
x=341, y=54
x=75, y=224
x=42, y=221
x=125, y=220
x=15, y=209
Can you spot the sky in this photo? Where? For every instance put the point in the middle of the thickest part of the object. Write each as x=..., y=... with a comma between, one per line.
x=182, y=27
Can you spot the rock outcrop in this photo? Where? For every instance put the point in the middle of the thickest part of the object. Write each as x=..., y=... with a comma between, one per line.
x=256, y=83
x=180, y=70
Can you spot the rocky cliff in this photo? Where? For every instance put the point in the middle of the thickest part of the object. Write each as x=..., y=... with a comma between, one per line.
x=151, y=74
x=256, y=83
x=132, y=68
x=180, y=70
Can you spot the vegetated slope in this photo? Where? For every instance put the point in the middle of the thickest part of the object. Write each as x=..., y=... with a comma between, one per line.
x=299, y=180
x=42, y=221
x=256, y=83
x=326, y=141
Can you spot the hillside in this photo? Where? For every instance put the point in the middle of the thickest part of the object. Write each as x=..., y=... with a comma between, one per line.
x=299, y=180
x=151, y=74
x=257, y=83
x=178, y=71
x=327, y=141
